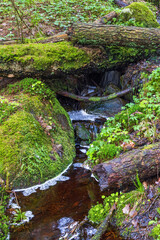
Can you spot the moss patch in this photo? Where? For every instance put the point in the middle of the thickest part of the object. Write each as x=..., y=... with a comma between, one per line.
x=37, y=139
x=140, y=13
x=42, y=56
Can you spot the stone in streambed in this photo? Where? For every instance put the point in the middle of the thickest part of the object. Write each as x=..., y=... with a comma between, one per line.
x=107, y=107
x=81, y=132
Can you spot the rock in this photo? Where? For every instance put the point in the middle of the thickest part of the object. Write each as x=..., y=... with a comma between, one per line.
x=106, y=108
x=81, y=132
x=111, y=89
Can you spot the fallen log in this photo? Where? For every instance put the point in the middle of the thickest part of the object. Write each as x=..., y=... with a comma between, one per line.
x=121, y=172
x=94, y=99
x=127, y=36
x=104, y=225
x=106, y=18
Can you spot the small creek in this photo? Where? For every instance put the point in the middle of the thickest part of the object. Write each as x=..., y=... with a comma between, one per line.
x=55, y=207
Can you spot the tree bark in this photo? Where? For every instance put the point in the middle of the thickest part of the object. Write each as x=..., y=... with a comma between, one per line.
x=125, y=36
x=94, y=99
x=121, y=172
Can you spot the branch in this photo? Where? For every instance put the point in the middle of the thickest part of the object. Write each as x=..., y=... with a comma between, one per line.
x=94, y=99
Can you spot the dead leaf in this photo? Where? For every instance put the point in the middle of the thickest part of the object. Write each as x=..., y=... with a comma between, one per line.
x=126, y=209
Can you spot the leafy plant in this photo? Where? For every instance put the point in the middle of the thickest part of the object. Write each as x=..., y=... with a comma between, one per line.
x=155, y=233
x=138, y=184
x=98, y=212
x=19, y=216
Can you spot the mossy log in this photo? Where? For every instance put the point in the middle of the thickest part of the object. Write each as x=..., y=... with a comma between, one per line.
x=121, y=172
x=126, y=36
x=94, y=99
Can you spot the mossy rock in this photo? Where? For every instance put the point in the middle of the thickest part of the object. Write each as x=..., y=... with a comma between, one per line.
x=140, y=13
x=35, y=145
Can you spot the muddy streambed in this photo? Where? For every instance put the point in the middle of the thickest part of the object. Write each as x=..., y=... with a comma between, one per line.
x=55, y=207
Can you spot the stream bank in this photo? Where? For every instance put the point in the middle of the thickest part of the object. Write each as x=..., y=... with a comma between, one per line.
x=94, y=77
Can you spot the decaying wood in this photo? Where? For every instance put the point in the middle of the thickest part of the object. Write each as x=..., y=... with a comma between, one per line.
x=106, y=18
x=127, y=36
x=94, y=99
x=121, y=171
x=76, y=228
x=104, y=225
x=121, y=3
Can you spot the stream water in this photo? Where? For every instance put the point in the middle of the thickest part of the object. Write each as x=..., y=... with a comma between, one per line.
x=57, y=206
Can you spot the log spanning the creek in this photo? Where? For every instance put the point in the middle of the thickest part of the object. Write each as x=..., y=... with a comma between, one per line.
x=94, y=99
x=121, y=172
x=126, y=36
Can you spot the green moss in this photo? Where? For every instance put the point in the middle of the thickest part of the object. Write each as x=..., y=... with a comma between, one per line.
x=29, y=137
x=42, y=56
x=4, y=219
x=140, y=13
x=94, y=99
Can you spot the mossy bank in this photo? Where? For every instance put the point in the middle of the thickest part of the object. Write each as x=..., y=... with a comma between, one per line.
x=36, y=135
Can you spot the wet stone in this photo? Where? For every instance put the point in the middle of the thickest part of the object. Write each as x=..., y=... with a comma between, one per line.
x=81, y=132
x=144, y=222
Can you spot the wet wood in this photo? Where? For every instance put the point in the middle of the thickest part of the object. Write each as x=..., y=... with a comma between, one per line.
x=106, y=18
x=94, y=99
x=126, y=36
x=104, y=225
x=121, y=172
x=120, y=3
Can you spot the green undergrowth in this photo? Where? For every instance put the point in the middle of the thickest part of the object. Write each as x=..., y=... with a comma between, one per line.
x=36, y=137
x=98, y=212
x=4, y=220
x=42, y=56
x=139, y=118
x=59, y=14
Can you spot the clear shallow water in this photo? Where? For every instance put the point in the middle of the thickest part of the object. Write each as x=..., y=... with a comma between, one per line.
x=62, y=204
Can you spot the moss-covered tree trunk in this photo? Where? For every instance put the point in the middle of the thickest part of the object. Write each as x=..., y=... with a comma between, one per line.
x=116, y=35
x=122, y=171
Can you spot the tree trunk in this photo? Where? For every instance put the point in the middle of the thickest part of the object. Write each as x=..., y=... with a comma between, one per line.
x=116, y=35
x=94, y=99
x=121, y=171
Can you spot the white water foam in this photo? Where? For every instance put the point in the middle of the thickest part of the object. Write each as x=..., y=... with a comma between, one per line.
x=82, y=115
x=45, y=185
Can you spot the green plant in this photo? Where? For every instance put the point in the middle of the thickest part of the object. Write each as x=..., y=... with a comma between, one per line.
x=19, y=216
x=155, y=233
x=138, y=184
x=98, y=212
